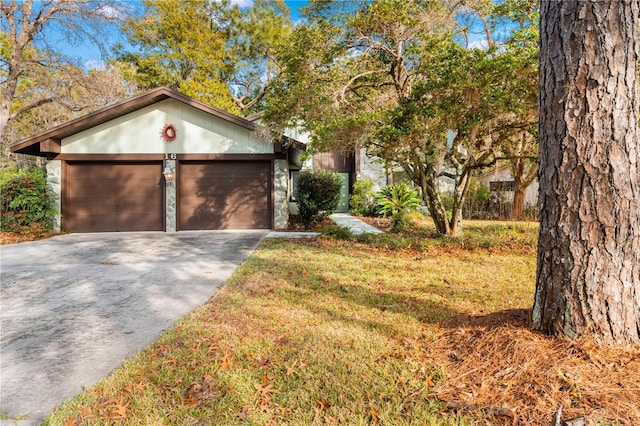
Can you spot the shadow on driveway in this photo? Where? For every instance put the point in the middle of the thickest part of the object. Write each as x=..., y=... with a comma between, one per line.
x=74, y=306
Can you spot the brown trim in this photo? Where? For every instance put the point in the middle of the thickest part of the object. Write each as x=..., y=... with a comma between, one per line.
x=50, y=146
x=108, y=157
x=232, y=157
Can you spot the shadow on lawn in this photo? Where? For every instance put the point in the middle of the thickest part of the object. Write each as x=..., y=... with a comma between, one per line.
x=306, y=288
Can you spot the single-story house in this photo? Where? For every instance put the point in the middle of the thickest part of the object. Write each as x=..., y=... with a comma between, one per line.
x=162, y=161
x=500, y=182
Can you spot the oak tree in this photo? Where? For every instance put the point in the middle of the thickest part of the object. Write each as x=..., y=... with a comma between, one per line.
x=28, y=59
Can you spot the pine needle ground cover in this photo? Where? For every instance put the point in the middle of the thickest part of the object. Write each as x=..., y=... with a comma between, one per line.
x=396, y=329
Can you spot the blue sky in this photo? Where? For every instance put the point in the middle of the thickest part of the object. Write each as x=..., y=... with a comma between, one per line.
x=89, y=56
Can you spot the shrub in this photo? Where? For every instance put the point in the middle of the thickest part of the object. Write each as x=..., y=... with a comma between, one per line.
x=318, y=194
x=337, y=232
x=398, y=200
x=24, y=201
x=363, y=199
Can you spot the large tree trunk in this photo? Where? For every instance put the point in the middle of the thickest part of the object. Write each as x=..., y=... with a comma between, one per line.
x=588, y=274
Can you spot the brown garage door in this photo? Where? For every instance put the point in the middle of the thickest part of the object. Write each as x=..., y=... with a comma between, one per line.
x=107, y=197
x=224, y=195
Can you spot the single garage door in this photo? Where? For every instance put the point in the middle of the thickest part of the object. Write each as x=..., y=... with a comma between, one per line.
x=109, y=197
x=224, y=195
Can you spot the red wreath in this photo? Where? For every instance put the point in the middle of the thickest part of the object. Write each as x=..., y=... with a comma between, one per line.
x=169, y=132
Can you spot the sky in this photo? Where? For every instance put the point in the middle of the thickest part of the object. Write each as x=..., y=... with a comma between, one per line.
x=90, y=57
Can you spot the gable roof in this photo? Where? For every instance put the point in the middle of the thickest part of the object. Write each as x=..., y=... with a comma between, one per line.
x=45, y=142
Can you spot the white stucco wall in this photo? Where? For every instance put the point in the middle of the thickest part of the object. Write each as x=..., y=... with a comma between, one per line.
x=505, y=174
x=140, y=133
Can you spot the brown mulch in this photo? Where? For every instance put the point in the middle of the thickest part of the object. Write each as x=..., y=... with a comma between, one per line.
x=502, y=368
x=295, y=225
x=17, y=237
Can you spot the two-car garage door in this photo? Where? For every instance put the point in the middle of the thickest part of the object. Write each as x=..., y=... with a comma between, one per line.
x=130, y=196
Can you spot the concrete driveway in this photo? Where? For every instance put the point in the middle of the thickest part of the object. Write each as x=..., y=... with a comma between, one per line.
x=74, y=306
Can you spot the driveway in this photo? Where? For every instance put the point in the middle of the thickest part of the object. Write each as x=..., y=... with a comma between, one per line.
x=73, y=307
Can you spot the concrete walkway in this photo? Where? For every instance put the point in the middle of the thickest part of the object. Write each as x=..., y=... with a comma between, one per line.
x=73, y=307
x=355, y=225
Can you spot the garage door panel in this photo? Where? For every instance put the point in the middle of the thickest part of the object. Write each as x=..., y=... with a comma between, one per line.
x=224, y=195
x=104, y=197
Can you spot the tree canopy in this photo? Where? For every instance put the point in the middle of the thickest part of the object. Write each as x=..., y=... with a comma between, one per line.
x=35, y=75
x=210, y=50
x=391, y=77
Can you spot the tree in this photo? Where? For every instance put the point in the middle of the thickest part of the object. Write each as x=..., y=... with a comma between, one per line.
x=27, y=57
x=210, y=50
x=520, y=145
x=588, y=274
x=389, y=76
x=180, y=46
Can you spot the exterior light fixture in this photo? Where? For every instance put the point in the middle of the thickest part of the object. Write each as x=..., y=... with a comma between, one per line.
x=168, y=174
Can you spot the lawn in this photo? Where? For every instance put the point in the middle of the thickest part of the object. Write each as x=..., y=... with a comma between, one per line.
x=390, y=330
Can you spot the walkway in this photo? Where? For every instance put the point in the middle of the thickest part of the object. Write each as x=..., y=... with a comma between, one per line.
x=355, y=225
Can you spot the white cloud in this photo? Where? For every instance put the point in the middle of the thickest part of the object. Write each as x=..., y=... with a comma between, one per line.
x=240, y=3
x=111, y=11
x=94, y=64
x=479, y=44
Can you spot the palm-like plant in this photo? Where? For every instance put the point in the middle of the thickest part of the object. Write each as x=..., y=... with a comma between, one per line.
x=397, y=200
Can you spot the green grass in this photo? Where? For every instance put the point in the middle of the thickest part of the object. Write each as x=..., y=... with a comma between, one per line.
x=327, y=331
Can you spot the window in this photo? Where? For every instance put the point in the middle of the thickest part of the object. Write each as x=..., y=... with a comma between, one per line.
x=502, y=186
x=293, y=185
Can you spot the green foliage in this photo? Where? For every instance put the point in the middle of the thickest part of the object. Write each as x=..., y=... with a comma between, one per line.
x=363, y=199
x=337, y=232
x=393, y=76
x=24, y=201
x=318, y=194
x=476, y=203
x=398, y=200
x=210, y=50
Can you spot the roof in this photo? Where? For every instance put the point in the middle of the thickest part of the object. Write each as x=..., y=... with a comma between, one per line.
x=40, y=143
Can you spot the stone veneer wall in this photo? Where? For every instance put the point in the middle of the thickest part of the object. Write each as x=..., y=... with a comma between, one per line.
x=372, y=168
x=170, y=199
x=54, y=188
x=280, y=194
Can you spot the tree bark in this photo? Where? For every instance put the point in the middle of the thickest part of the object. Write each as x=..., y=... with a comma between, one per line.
x=588, y=273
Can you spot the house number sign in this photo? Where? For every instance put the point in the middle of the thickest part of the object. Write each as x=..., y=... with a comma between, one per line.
x=171, y=156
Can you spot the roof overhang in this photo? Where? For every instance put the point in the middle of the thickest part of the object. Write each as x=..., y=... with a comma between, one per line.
x=48, y=142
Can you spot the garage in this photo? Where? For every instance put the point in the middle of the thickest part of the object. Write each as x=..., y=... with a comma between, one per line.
x=113, y=197
x=163, y=161
x=224, y=195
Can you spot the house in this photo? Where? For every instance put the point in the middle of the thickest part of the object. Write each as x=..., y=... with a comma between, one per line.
x=162, y=161
x=350, y=167
x=501, y=184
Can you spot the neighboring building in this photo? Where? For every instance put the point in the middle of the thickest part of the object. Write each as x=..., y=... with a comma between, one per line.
x=162, y=161
x=500, y=182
